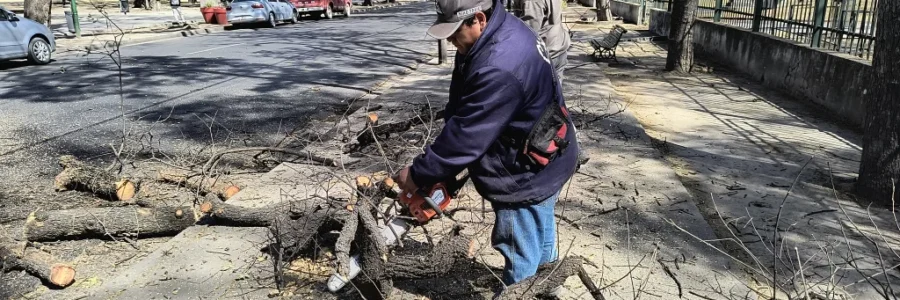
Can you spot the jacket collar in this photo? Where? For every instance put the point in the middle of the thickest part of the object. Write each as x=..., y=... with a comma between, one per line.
x=498, y=16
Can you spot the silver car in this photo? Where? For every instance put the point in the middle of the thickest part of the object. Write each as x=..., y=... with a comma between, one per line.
x=24, y=38
x=259, y=11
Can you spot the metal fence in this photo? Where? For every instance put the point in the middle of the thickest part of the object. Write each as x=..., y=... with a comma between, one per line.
x=846, y=26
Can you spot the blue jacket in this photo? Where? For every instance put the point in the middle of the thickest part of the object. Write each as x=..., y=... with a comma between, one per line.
x=498, y=90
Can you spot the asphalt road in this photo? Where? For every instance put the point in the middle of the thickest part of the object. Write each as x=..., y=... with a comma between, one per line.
x=235, y=88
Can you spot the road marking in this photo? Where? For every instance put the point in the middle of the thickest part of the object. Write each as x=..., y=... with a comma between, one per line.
x=216, y=48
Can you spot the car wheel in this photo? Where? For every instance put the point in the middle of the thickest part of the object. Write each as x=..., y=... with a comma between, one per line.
x=329, y=13
x=367, y=2
x=294, y=17
x=39, y=51
x=272, y=21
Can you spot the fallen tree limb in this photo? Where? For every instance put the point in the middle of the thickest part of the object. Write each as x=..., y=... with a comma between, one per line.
x=435, y=263
x=36, y=262
x=364, y=138
x=204, y=184
x=591, y=286
x=107, y=222
x=76, y=175
x=211, y=163
x=547, y=278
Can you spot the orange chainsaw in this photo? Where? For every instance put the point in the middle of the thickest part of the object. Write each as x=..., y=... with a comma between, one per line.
x=424, y=205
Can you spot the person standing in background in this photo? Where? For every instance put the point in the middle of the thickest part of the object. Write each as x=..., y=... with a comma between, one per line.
x=176, y=10
x=545, y=18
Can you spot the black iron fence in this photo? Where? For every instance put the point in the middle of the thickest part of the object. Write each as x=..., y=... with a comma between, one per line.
x=846, y=26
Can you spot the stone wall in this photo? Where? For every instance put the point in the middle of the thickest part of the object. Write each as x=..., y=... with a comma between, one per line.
x=833, y=80
x=629, y=12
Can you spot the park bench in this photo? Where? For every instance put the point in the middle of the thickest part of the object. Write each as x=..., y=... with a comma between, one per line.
x=606, y=47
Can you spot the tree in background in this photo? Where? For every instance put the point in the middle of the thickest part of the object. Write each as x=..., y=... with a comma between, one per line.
x=38, y=10
x=604, y=13
x=681, y=47
x=879, y=170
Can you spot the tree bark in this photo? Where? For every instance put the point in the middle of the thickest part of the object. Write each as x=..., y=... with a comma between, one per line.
x=197, y=182
x=437, y=262
x=547, y=278
x=77, y=175
x=681, y=48
x=36, y=262
x=604, y=12
x=107, y=222
x=879, y=169
x=38, y=10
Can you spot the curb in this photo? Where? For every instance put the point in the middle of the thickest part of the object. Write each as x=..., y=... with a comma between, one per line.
x=184, y=33
x=68, y=35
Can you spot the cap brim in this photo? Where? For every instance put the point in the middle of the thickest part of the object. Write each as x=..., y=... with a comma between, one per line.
x=443, y=30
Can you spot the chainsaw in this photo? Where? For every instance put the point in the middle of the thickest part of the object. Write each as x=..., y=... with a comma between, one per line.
x=417, y=208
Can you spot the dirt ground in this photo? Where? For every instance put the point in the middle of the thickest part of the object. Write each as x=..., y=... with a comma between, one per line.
x=756, y=162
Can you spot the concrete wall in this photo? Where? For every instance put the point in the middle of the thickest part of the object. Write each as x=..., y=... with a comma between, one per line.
x=832, y=80
x=588, y=3
x=630, y=12
x=659, y=22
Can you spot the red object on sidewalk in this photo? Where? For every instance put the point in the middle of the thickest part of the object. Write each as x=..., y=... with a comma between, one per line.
x=208, y=14
x=221, y=15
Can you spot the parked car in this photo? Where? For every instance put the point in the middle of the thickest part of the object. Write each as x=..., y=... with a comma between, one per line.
x=260, y=11
x=323, y=8
x=24, y=38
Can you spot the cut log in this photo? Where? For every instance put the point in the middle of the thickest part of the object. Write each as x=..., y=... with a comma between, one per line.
x=107, y=222
x=76, y=175
x=444, y=257
x=36, y=262
x=548, y=277
x=203, y=184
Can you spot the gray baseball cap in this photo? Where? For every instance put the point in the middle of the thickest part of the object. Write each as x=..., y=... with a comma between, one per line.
x=451, y=14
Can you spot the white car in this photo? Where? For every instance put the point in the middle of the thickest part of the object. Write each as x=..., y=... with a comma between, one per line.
x=259, y=11
x=24, y=38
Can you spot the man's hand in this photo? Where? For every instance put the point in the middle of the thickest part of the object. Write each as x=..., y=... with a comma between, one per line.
x=406, y=184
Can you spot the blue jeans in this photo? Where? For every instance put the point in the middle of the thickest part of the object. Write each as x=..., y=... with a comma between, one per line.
x=525, y=234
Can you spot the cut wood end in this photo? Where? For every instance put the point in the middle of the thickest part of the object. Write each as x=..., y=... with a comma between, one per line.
x=470, y=253
x=62, y=275
x=372, y=118
x=60, y=182
x=230, y=191
x=388, y=183
x=179, y=213
x=363, y=182
x=350, y=207
x=125, y=189
x=206, y=207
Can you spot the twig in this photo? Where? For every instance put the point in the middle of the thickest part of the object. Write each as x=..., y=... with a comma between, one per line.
x=671, y=275
x=778, y=220
x=307, y=154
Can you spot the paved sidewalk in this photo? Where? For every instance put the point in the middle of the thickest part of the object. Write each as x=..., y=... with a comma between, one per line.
x=739, y=146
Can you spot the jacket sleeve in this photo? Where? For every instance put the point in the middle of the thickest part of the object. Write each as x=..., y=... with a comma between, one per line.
x=487, y=104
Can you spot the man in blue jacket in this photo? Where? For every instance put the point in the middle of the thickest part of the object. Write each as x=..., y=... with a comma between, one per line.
x=505, y=122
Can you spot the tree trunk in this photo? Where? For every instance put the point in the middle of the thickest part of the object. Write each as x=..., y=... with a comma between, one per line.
x=879, y=170
x=76, y=175
x=604, y=12
x=38, y=10
x=681, y=47
x=107, y=222
x=36, y=262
